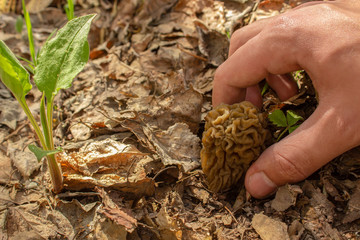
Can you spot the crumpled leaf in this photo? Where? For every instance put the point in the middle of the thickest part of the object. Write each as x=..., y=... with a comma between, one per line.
x=62, y=223
x=41, y=226
x=268, y=228
x=168, y=226
x=176, y=146
x=106, y=163
x=120, y=218
x=36, y=6
x=285, y=197
x=81, y=216
x=6, y=170
x=25, y=162
x=353, y=207
x=107, y=230
x=10, y=113
x=213, y=45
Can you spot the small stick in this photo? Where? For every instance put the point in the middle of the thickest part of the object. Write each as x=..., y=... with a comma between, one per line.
x=231, y=214
x=191, y=54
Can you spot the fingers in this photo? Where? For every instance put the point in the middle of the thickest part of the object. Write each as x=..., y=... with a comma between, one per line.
x=228, y=94
x=284, y=85
x=242, y=35
x=253, y=95
x=223, y=93
x=251, y=63
x=303, y=152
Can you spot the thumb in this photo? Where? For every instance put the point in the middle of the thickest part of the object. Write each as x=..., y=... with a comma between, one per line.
x=322, y=137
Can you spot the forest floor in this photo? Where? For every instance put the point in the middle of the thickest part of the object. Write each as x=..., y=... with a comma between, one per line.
x=131, y=127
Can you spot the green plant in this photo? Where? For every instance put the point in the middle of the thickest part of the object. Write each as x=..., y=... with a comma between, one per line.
x=32, y=64
x=288, y=122
x=19, y=24
x=59, y=61
x=69, y=9
x=264, y=89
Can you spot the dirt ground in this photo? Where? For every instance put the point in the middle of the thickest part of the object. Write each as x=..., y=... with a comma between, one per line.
x=131, y=127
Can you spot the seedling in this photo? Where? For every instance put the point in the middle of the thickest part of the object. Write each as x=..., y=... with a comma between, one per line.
x=69, y=9
x=264, y=89
x=30, y=35
x=59, y=61
x=288, y=122
x=19, y=24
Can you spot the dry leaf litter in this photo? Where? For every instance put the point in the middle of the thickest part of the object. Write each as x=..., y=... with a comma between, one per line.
x=131, y=125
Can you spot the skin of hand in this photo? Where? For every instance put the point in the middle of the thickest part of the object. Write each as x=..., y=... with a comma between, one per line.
x=322, y=38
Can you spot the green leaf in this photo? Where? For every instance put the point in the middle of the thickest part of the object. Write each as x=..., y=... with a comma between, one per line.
x=30, y=33
x=63, y=56
x=69, y=9
x=292, y=118
x=19, y=24
x=44, y=122
x=292, y=128
x=13, y=74
x=277, y=117
x=40, y=153
x=264, y=89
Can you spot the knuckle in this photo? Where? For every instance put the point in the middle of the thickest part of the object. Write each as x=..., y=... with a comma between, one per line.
x=219, y=74
x=284, y=26
x=236, y=36
x=290, y=168
x=236, y=40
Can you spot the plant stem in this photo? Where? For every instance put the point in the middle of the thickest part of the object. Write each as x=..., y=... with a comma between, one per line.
x=55, y=170
x=33, y=123
x=44, y=122
x=55, y=173
x=282, y=133
x=71, y=9
x=50, y=105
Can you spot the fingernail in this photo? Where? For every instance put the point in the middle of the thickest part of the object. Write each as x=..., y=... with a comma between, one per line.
x=260, y=185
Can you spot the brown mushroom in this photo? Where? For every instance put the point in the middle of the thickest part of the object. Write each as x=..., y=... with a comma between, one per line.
x=234, y=136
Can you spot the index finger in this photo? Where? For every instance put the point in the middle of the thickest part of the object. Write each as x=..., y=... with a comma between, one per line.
x=272, y=51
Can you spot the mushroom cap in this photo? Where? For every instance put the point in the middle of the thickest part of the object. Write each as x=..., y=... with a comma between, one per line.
x=234, y=136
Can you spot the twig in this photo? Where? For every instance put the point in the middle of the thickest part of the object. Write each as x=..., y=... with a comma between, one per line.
x=77, y=194
x=127, y=66
x=191, y=175
x=131, y=165
x=191, y=54
x=256, y=5
x=15, y=132
x=163, y=170
x=231, y=214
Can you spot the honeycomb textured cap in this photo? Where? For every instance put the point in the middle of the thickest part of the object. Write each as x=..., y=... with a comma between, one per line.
x=234, y=136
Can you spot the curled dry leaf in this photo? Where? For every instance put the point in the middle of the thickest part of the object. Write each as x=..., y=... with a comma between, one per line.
x=6, y=170
x=168, y=226
x=25, y=162
x=121, y=218
x=36, y=6
x=213, y=45
x=234, y=137
x=107, y=163
x=353, y=207
x=10, y=113
x=269, y=228
x=176, y=146
x=285, y=197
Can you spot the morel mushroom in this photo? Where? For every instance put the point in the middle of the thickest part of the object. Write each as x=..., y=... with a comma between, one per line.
x=234, y=136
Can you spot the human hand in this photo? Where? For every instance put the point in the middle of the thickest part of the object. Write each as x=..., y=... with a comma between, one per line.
x=322, y=38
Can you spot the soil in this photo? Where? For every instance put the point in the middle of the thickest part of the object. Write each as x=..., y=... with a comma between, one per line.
x=130, y=127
